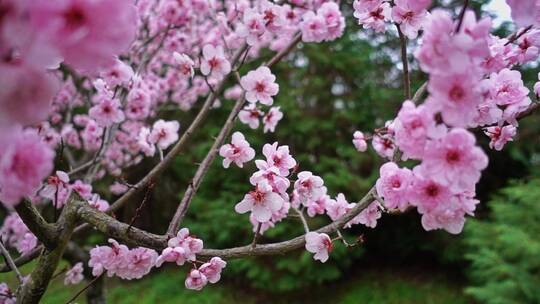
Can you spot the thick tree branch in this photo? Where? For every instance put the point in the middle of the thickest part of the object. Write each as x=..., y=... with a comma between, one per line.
x=45, y=232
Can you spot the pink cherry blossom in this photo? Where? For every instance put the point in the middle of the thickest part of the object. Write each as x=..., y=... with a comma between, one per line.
x=313, y=27
x=455, y=96
x=507, y=88
x=250, y=115
x=309, y=186
x=98, y=203
x=74, y=275
x=185, y=64
x=252, y=28
x=413, y=126
x=261, y=202
x=88, y=33
x=527, y=49
x=335, y=22
x=426, y=194
x=25, y=95
x=383, y=145
x=171, y=254
x=271, y=175
x=338, y=207
x=359, y=141
x=214, y=62
x=260, y=85
x=409, y=17
x=138, y=104
x=372, y=14
x=107, y=112
x=279, y=157
x=238, y=151
x=55, y=184
x=196, y=280
x=144, y=143
x=369, y=216
x=500, y=136
x=271, y=119
x=455, y=160
x=212, y=269
x=140, y=261
x=320, y=244
x=164, y=133
x=6, y=295
x=188, y=244
x=118, y=74
x=23, y=164
x=393, y=185
x=318, y=206
x=82, y=188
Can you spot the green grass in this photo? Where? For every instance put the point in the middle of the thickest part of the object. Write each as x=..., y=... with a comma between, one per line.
x=366, y=286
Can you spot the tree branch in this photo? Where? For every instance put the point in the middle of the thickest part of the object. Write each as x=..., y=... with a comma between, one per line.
x=405, y=63
x=45, y=232
x=9, y=261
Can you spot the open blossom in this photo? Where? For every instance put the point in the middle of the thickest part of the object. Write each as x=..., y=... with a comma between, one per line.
x=318, y=206
x=88, y=33
x=279, y=157
x=262, y=202
x=335, y=22
x=313, y=27
x=393, y=185
x=369, y=216
x=507, y=87
x=25, y=95
x=107, y=112
x=185, y=64
x=409, y=16
x=238, y=151
x=164, y=133
x=383, y=145
x=196, y=280
x=338, y=207
x=455, y=160
x=320, y=244
x=181, y=248
x=426, y=193
x=260, y=85
x=527, y=49
x=359, y=141
x=500, y=136
x=271, y=175
x=55, y=184
x=250, y=116
x=23, y=165
x=74, y=275
x=212, y=269
x=372, y=14
x=214, y=62
x=140, y=261
x=271, y=119
x=413, y=126
x=118, y=74
x=252, y=28
x=309, y=186
x=82, y=188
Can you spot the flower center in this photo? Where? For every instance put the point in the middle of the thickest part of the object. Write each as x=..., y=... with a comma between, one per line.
x=74, y=17
x=259, y=87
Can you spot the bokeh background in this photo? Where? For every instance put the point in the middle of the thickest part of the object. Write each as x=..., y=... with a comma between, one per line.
x=327, y=91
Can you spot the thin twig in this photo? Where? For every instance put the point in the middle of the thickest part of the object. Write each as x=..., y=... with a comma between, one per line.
x=10, y=262
x=462, y=15
x=138, y=210
x=405, y=63
x=83, y=290
x=256, y=236
x=516, y=36
x=303, y=219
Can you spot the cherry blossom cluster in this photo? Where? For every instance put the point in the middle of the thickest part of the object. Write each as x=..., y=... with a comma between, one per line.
x=15, y=234
x=410, y=15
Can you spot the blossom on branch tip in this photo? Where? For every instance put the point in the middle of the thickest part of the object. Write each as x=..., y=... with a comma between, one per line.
x=320, y=244
x=238, y=151
x=260, y=85
x=213, y=62
x=261, y=202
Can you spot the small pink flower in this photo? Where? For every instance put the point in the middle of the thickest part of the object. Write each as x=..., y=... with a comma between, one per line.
x=384, y=146
x=196, y=280
x=82, y=188
x=335, y=22
x=252, y=28
x=164, y=133
x=313, y=27
x=427, y=194
x=238, y=151
x=118, y=188
x=55, y=184
x=107, y=112
x=359, y=141
x=507, y=87
x=369, y=216
x=309, y=186
x=214, y=62
x=279, y=157
x=338, y=207
x=271, y=119
x=185, y=64
x=260, y=85
x=74, y=275
x=320, y=244
x=98, y=203
x=500, y=136
x=144, y=144
x=212, y=269
x=262, y=202
x=171, y=254
x=6, y=295
x=271, y=175
x=140, y=261
x=409, y=17
x=118, y=74
x=250, y=115
x=318, y=206
x=393, y=185
x=372, y=14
